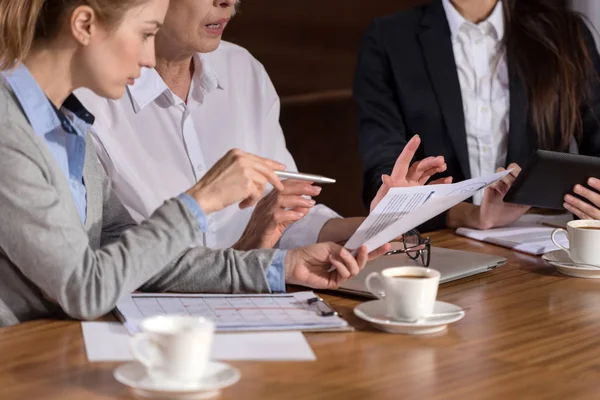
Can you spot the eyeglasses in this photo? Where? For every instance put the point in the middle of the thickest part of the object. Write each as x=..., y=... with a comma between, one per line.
x=415, y=246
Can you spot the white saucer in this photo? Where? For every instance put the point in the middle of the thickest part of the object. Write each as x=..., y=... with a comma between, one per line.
x=375, y=312
x=217, y=376
x=560, y=259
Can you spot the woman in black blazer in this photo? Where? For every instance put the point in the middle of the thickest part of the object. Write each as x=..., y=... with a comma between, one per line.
x=440, y=71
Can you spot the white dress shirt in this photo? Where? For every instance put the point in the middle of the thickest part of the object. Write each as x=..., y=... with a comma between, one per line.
x=483, y=75
x=154, y=146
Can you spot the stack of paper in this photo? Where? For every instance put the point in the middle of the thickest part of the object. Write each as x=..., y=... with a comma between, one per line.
x=530, y=234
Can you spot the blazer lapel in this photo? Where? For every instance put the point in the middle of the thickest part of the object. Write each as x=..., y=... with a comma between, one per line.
x=436, y=45
x=521, y=142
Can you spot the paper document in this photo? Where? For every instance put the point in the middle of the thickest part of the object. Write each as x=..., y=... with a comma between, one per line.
x=109, y=341
x=255, y=312
x=527, y=235
x=403, y=209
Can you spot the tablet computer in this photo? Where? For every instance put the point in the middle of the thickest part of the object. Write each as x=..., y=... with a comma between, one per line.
x=549, y=176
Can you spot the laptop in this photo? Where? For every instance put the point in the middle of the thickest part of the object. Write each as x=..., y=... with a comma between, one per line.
x=452, y=264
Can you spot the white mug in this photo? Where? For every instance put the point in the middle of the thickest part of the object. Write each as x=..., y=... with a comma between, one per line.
x=584, y=241
x=174, y=349
x=409, y=292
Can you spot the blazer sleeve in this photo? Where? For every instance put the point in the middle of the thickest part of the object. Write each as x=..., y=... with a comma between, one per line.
x=46, y=241
x=590, y=111
x=381, y=130
x=196, y=269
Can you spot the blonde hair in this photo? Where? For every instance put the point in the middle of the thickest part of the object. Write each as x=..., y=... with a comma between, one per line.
x=25, y=22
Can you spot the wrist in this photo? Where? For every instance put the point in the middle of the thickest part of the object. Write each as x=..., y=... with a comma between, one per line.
x=204, y=201
x=338, y=230
x=289, y=262
x=464, y=215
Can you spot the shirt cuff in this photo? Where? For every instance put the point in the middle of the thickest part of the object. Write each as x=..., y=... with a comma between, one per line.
x=276, y=272
x=193, y=207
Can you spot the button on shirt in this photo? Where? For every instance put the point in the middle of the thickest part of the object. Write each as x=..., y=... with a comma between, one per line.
x=63, y=130
x=154, y=144
x=483, y=75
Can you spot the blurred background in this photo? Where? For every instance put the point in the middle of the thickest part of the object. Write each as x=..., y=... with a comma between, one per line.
x=309, y=49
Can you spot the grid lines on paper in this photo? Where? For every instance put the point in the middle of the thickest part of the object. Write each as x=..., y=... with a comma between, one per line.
x=230, y=310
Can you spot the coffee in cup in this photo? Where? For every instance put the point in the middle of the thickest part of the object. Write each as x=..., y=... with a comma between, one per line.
x=409, y=292
x=584, y=241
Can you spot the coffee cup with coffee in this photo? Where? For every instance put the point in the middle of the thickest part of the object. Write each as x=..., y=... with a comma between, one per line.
x=584, y=241
x=409, y=292
x=174, y=349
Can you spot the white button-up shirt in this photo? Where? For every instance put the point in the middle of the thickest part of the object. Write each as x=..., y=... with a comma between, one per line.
x=483, y=75
x=154, y=146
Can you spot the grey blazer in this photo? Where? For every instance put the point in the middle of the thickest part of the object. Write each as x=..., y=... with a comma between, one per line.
x=53, y=266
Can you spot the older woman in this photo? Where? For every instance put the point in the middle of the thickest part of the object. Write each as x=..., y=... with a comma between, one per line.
x=204, y=97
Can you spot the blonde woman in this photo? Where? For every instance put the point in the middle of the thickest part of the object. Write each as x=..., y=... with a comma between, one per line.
x=67, y=245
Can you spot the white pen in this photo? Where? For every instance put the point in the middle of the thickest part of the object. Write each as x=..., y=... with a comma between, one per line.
x=304, y=177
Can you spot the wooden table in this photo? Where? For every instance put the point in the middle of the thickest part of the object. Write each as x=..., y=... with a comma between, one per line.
x=529, y=333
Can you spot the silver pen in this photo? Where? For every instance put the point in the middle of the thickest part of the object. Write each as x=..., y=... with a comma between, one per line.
x=304, y=177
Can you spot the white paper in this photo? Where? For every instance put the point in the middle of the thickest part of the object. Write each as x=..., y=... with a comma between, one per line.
x=527, y=235
x=106, y=341
x=403, y=209
x=232, y=313
x=109, y=341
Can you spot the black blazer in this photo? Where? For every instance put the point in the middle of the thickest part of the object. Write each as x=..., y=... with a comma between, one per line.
x=407, y=83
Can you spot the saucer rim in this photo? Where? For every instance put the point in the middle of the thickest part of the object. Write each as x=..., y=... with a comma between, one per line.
x=560, y=264
x=431, y=324
x=174, y=389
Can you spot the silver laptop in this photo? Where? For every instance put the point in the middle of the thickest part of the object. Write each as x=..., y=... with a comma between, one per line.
x=453, y=265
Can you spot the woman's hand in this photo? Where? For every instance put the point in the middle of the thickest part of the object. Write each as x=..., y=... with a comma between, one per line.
x=326, y=265
x=493, y=211
x=404, y=174
x=275, y=212
x=237, y=177
x=580, y=208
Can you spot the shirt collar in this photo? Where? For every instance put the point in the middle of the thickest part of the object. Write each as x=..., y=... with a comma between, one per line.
x=456, y=20
x=150, y=85
x=39, y=110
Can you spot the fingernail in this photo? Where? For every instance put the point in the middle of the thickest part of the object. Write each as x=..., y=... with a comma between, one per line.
x=578, y=189
x=566, y=198
x=318, y=189
x=312, y=202
x=565, y=205
x=592, y=181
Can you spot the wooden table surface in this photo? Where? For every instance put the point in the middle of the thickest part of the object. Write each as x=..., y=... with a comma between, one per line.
x=529, y=332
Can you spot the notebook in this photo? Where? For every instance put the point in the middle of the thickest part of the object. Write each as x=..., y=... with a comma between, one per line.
x=255, y=312
x=530, y=234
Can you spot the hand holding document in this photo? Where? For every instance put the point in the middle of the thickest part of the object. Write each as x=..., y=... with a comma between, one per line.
x=403, y=209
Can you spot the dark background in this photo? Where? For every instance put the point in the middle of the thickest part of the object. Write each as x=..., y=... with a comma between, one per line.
x=309, y=49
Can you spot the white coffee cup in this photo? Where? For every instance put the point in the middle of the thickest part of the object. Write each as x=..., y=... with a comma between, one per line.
x=584, y=241
x=409, y=292
x=174, y=349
